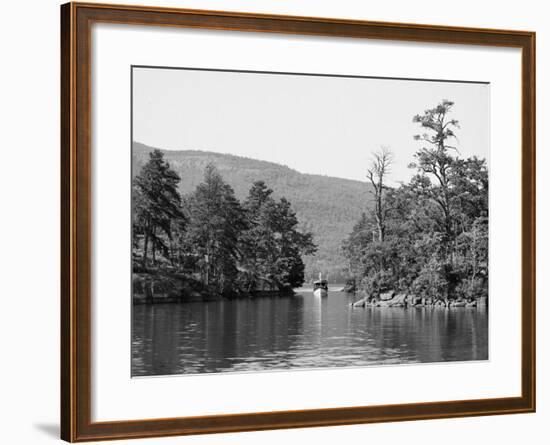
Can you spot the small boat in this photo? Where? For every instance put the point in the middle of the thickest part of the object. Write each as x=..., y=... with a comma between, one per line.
x=320, y=287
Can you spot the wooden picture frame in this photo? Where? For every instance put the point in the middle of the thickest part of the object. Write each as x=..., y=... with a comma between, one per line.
x=76, y=221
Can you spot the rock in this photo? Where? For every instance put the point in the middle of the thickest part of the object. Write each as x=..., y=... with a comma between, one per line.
x=387, y=295
x=400, y=299
x=416, y=301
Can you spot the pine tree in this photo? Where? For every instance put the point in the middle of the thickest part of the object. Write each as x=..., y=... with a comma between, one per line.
x=273, y=244
x=257, y=242
x=157, y=203
x=434, y=160
x=291, y=245
x=216, y=222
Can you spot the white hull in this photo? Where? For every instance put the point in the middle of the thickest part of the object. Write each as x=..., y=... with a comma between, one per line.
x=320, y=293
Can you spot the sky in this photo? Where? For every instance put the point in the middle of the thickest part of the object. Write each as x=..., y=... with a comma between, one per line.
x=314, y=124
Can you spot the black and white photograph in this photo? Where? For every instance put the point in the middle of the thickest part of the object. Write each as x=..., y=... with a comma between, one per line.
x=290, y=221
x=238, y=223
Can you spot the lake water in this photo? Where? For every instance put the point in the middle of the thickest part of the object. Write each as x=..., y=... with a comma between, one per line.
x=299, y=332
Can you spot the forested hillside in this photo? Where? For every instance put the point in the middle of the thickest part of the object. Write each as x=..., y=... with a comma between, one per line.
x=326, y=206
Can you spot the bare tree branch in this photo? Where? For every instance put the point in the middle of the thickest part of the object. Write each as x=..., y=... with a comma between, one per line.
x=379, y=169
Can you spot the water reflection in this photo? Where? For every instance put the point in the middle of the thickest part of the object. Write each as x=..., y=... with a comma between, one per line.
x=298, y=332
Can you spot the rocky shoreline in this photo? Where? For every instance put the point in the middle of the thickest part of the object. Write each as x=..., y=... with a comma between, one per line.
x=394, y=299
x=178, y=288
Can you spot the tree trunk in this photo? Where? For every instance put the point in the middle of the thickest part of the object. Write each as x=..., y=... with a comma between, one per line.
x=172, y=254
x=153, y=252
x=379, y=216
x=380, y=231
x=145, y=247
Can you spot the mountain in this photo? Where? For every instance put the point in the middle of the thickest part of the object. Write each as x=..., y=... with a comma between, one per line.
x=327, y=206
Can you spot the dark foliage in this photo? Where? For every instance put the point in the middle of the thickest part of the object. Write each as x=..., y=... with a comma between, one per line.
x=435, y=237
x=325, y=206
x=210, y=237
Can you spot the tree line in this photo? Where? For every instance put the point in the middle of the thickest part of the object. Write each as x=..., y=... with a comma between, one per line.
x=427, y=237
x=211, y=239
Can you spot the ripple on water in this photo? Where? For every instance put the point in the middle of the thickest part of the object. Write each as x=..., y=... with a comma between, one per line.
x=298, y=332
